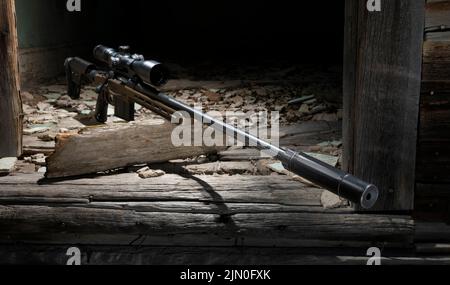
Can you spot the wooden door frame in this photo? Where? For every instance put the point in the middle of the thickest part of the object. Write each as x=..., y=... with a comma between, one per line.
x=11, y=114
x=382, y=80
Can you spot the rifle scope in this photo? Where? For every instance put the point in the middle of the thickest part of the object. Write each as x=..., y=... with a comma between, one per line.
x=149, y=71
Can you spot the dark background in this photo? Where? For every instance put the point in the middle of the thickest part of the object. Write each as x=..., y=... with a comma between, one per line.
x=199, y=35
x=306, y=31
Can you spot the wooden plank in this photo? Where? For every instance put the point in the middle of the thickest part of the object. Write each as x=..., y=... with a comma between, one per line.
x=117, y=146
x=436, y=51
x=382, y=90
x=186, y=211
x=436, y=60
x=147, y=255
x=433, y=153
x=437, y=13
x=349, y=82
x=433, y=248
x=40, y=222
x=436, y=232
x=175, y=188
x=10, y=101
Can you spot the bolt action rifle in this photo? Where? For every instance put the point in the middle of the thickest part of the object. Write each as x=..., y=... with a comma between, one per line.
x=130, y=79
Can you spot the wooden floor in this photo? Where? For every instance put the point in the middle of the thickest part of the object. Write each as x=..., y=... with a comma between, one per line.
x=178, y=219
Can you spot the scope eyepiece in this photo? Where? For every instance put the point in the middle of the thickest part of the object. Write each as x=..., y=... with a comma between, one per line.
x=149, y=71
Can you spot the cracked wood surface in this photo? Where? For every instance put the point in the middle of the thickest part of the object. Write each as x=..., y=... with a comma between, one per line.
x=173, y=210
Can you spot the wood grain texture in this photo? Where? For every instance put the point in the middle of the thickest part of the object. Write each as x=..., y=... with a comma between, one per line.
x=433, y=154
x=437, y=14
x=110, y=147
x=11, y=116
x=148, y=255
x=186, y=211
x=383, y=63
x=436, y=60
x=168, y=188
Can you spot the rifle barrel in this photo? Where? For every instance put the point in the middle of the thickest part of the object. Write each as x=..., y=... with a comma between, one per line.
x=337, y=181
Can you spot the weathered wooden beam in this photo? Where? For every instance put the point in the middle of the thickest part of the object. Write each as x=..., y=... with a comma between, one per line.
x=436, y=60
x=383, y=60
x=10, y=100
x=177, y=210
x=433, y=153
x=437, y=14
x=110, y=147
x=34, y=223
x=168, y=188
x=148, y=255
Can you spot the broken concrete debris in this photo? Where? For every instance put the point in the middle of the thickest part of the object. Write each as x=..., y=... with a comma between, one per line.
x=332, y=201
x=47, y=137
x=39, y=159
x=42, y=170
x=36, y=130
x=146, y=173
x=7, y=165
x=202, y=159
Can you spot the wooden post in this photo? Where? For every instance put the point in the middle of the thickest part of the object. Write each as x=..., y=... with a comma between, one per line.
x=382, y=76
x=10, y=101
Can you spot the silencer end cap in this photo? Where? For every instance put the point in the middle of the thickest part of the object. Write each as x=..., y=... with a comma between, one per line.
x=370, y=197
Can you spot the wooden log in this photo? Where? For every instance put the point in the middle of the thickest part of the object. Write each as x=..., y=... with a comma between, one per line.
x=253, y=229
x=168, y=188
x=432, y=232
x=11, y=116
x=186, y=211
x=148, y=255
x=104, y=148
x=383, y=60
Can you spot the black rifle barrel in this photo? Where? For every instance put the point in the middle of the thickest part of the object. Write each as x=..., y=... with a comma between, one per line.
x=337, y=181
x=314, y=170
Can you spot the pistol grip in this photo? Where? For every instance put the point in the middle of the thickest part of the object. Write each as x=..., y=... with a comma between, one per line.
x=73, y=80
x=101, y=109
